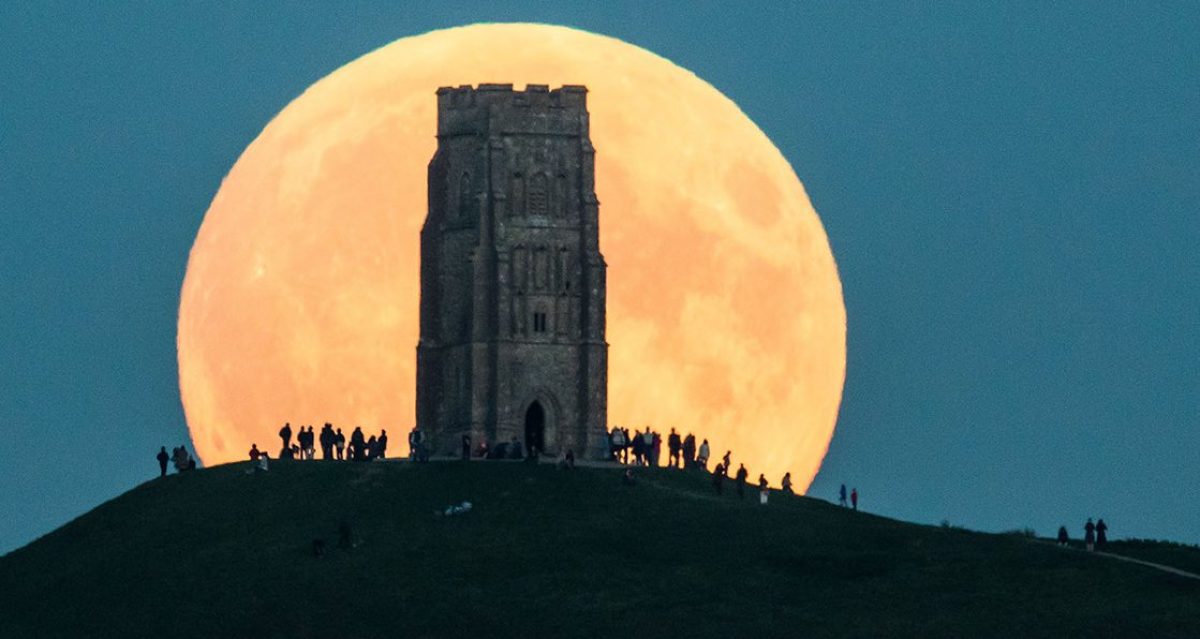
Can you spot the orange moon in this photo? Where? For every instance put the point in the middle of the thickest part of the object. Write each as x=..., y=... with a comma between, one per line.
x=725, y=310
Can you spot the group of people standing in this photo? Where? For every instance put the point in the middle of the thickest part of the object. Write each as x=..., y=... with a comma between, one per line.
x=721, y=473
x=1095, y=535
x=179, y=456
x=643, y=448
x=333, y=444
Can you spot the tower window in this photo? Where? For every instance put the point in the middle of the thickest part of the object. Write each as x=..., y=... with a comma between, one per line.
x=537, y=195
x=539, y=322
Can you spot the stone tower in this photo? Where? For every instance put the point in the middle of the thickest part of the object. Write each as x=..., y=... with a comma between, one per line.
x=512, y=281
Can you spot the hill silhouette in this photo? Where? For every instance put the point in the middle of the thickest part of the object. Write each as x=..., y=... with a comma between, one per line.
x=224, y=552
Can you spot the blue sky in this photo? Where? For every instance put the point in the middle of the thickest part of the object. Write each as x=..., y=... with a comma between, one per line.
x=1011, y=190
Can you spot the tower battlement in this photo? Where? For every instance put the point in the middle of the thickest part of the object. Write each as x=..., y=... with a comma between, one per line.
x=500, y=109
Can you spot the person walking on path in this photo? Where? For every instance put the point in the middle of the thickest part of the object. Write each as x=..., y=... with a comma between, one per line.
x=1063, y=537
x=742, y=474
x=854, y=498
x=786, y=484
x=162, y=458
x=842, y=496
x=1101, y=534
x=285, y=434
x=1089, y=535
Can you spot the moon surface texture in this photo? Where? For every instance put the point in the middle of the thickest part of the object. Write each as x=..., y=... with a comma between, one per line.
x=725, y=310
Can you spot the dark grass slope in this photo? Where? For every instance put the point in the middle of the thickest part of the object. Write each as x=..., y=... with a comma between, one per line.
x=548, y=553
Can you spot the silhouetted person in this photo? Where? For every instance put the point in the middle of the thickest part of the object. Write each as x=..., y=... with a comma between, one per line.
x=415, y=440
x=718, y=479
x=689, y=451
x=310, y=443
x=466, y=447
x=786, y=484
x=1089, y=534
x=285, y=434
x=842, y=495
x=254, y=454
x=372, y=448
x=326, y=440
x=725, y=462
x=763, y=489
x=674, y=450
x=655, y=449
x=339, y=442
x=854, y=498
x=742, y=474
x=162, y=458
x=358, y=445
x=702, y=456
x=1063, y=537
x=1101, y=534
x=382, y=443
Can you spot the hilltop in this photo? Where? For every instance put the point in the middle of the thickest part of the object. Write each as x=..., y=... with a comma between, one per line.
x=224, y=552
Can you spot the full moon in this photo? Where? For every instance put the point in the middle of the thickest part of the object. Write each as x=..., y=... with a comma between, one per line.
x=725, y=310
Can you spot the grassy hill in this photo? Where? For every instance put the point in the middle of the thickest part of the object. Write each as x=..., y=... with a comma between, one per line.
x=546, y=553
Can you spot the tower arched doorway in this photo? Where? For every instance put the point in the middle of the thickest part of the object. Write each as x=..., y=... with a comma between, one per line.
x=535, y=427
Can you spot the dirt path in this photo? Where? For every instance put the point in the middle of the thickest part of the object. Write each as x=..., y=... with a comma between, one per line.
x=1162, y=567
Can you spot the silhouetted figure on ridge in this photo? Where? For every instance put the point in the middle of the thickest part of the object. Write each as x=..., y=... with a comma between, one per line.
x=674, y=450
x=763, y=489
x=162, y=458
x=382, y=443
x=725, y=462
x=1063, y=537
x=842, y=496
x=786, y=484
x=689, y=451
x=285, y=434
x=357, y=445
x=1089, y=534
x=718, y=479
x=742, y=474
x=254, y=454
x=339, y=442
x=854, y=498
x=1101, y=534
x=326, y=440
x=702, y=456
